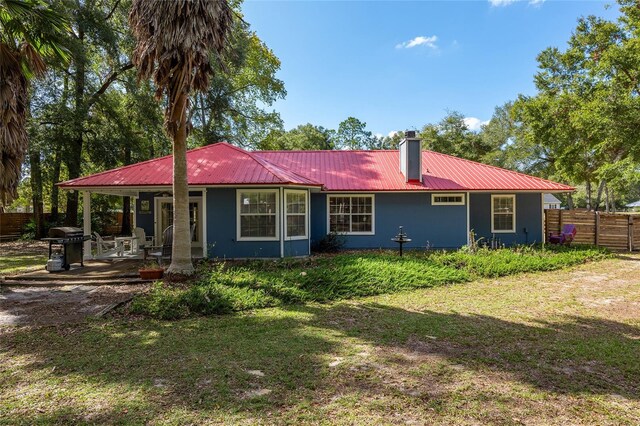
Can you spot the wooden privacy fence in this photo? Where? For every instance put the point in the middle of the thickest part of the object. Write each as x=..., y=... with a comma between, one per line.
x=12, y=224
x=615, y=231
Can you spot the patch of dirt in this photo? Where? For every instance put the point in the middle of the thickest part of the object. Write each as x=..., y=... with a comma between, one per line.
x=64, y=304
x=599, y=285
x=13, y=248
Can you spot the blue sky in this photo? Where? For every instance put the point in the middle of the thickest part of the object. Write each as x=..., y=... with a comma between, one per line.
x=400, y=65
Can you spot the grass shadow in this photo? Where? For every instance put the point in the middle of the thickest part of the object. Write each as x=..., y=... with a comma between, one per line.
x=211, y=368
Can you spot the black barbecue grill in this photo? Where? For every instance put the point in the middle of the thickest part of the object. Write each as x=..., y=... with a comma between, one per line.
x=72, y=242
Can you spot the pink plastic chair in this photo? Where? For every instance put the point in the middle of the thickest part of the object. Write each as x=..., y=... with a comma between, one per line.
x=565, y=237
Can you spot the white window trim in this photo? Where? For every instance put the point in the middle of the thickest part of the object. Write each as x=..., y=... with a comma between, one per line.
x=157, y=231
x=434, y=203
x=373, y=212
x=505, y=231
x=306, y=214
x=238, y=215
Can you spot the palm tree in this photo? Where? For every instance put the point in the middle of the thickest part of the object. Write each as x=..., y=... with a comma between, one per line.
x=30, y=34
x=175, y=41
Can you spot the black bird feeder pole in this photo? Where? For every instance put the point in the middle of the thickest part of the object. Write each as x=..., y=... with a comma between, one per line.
x=401, y=239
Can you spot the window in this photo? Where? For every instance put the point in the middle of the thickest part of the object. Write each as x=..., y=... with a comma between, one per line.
x=296, y=214
x=503, y=213
x=258, y=215
x=351, y=214
x=447, y=199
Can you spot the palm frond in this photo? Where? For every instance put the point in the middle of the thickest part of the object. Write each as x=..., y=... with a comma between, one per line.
x=36, y=23
x=13, y=134
x=175, y=44
x=29, y=32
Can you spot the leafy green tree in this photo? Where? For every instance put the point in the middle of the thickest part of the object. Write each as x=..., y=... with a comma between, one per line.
x=90, y=115
x=304, y=137
x=452, y=136
x=353, y=134
x=96, y=43
x=587, y=111
x=234, y=108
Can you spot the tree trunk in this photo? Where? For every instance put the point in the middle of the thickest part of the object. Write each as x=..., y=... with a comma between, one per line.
x=36, y=190
x=55, y=191
x=125, y=229
x=57, y=158
x=74, y=154
x=613, y=201
x=73, y=165
x=599, y=194
x=588, y=189
x=181, y=265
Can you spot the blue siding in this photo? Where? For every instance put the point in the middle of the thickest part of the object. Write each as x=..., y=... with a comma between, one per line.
x=318, y=216
x=528, y=217
x=296, y=248
x=222, y=226
x=427, y=225
x=145, y=220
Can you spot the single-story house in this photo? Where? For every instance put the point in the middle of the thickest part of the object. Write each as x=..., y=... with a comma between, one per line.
x=279, y=203
x=634, y=205
x=551, y=202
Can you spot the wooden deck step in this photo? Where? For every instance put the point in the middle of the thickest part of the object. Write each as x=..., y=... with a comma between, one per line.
x=54, y=276
x=57, y=283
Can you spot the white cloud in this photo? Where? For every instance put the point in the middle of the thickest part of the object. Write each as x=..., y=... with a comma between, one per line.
x=501, y=3
x=474, y=124
x=393, y=133
x=419, y=41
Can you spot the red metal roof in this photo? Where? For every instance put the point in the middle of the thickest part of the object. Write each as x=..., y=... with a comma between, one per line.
x=224, y=164
x=380, y=171
x=218, y=164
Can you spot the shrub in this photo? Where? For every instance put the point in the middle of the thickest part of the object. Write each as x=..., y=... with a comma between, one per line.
x=330, y=243
x=238, y=286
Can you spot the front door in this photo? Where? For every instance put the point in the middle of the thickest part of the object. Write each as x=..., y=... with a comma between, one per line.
x=164, y=217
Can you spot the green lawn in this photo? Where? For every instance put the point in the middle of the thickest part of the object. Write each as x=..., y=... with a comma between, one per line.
x=557, y=347
x=17, y=262
x=226, y=287
x=16, y=256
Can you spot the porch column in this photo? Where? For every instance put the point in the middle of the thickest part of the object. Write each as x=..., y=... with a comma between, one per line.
x=544, y=222
x=468, y=221
x=203, y=221
x=86, y=222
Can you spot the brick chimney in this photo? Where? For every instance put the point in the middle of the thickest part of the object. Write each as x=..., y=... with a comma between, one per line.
x=411, y=157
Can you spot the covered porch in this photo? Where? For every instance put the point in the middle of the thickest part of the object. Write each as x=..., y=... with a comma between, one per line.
x=151, y=216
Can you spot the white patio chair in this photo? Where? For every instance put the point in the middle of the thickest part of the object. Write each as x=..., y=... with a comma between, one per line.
x=141, y=240
x=106, y=247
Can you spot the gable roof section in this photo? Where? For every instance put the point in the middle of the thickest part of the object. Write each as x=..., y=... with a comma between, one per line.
x=224, y=164
x=551, y=199
x=219, y=164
